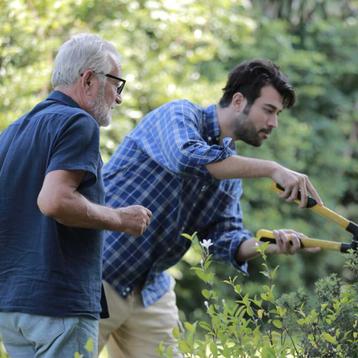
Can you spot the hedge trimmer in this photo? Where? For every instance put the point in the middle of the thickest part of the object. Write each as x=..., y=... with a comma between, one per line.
x=350, y=226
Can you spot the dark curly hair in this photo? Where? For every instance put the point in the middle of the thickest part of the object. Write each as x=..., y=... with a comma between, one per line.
x=250, y=76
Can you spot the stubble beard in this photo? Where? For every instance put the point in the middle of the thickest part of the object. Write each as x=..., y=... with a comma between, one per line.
x=246, y=131
x=101, y=110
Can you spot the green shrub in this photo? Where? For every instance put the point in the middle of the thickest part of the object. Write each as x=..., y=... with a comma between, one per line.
x=328, y=325
x=265, y=325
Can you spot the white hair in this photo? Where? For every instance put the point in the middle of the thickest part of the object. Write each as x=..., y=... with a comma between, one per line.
x=81, y=52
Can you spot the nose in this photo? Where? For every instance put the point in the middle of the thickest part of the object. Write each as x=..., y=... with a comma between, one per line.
x=119, y=99
x=273, y=121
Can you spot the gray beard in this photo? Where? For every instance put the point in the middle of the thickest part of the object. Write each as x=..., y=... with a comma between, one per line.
x=101, y=111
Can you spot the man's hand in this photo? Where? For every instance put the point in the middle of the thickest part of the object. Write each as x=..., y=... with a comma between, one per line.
x=134, y=219
x=295, y=183
x=287, y=242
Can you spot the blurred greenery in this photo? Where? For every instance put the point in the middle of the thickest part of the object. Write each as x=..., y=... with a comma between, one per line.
x=184, y=49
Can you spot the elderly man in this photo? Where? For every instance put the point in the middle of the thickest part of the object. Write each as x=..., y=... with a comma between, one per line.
x=51, y=207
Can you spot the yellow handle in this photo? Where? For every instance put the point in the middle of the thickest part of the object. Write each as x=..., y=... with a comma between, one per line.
x=305, y=241
x=330, y=214
x=322, y=210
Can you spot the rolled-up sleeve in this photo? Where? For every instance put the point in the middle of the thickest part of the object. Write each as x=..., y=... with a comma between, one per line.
x=173, y=139
x=226, y=244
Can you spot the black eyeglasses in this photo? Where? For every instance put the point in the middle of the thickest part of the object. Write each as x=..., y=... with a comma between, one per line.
x=121, y=81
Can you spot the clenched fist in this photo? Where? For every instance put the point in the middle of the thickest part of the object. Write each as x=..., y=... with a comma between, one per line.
x=133, y=219
x=287, y=242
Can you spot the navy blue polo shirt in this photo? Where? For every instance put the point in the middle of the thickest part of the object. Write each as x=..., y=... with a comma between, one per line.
x=47, y=268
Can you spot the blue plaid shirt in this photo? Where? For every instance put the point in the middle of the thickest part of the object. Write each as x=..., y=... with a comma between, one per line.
x=161, y=165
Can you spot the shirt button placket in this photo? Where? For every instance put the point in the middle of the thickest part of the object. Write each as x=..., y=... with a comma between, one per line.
x=125, y=292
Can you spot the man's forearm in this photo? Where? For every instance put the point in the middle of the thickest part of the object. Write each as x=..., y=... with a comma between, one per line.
x=247, y=250
x=73, y=209
x=297, y=185
x=60, y=200
x=242, y=167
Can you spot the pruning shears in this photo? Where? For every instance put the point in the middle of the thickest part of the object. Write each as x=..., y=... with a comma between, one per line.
x=350, y=226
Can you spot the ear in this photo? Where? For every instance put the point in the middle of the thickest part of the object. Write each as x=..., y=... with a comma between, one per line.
x=238, y=101
x=88, y=81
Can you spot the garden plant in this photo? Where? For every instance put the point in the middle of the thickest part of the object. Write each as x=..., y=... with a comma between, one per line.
x=267, y=325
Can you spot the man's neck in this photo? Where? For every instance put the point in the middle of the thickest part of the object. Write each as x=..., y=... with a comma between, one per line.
x=73, y=92
x=223, y=115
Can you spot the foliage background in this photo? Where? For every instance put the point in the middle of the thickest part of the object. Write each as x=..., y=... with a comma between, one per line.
x=184, y=49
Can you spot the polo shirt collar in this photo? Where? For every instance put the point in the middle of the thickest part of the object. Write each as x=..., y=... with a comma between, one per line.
x=59, y=96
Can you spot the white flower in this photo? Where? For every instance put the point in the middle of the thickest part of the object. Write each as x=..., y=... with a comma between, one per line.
x=206, y=303
x=206, y=244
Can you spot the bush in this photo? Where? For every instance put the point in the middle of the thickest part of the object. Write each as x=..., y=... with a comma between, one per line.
x=265, y=325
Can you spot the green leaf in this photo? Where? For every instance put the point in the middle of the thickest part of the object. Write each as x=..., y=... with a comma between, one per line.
x=187, y=236
x=237, y=289
x=184, y=347
x=245, y=300
x=206, y=293
x=277, y=323
x=190, y=327
x=281, y=311
x=214, y=349
x=89, y=345
x=161, y=349
x=205, y=326
x=176, y=332
x=329, y=338
x=207, y=277
x=268, y=352
x=265, y=273
x=257, y=302
x=249, y=311
x=260, y=313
